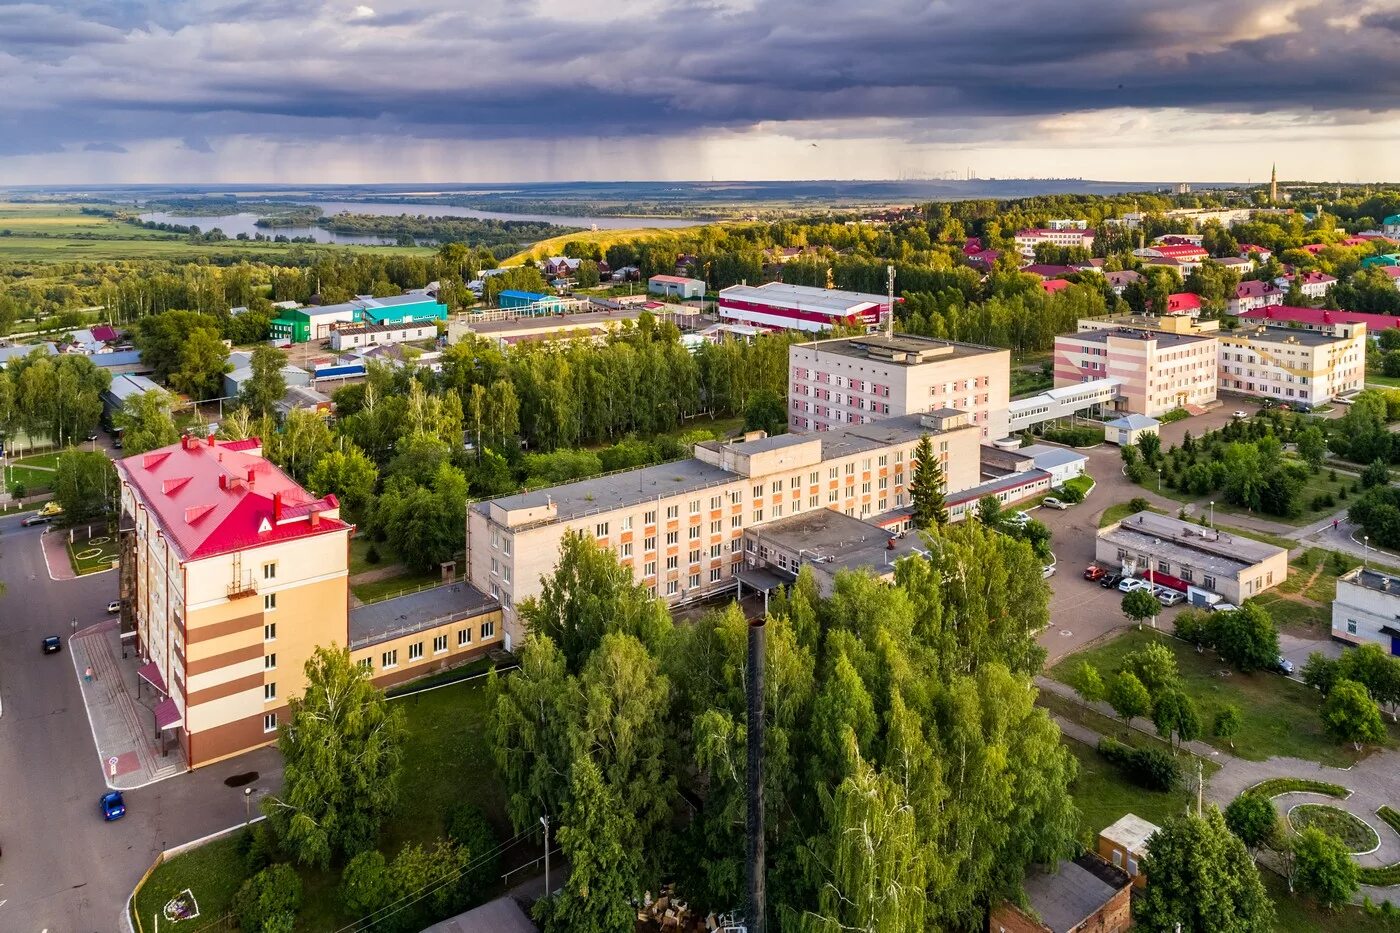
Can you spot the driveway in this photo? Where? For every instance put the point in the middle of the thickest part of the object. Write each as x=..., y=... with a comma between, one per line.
x=63, y=868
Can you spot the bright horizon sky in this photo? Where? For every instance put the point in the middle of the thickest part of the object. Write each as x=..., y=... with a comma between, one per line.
x=235, y=91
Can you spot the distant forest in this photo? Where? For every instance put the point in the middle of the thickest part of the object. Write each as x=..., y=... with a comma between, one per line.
x=468, y=230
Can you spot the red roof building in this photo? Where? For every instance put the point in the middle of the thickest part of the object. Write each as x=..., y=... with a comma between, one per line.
x=1052, y=286
x=1181, y=252
x=1251, y=295
x=212, y=497
x=1184, y=303
x=1322, y=319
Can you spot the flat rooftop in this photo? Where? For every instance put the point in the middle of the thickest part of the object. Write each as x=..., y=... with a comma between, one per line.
x=1066, y=897
x=1373, y=580
x=646, y=484
x=1131, y=832
x=835, y=540
x=581, y=319
x=416, y=612
x=903, y=349
x=1164, y=536
x=1163, y=338
x=1284, y=335
x=827, y=300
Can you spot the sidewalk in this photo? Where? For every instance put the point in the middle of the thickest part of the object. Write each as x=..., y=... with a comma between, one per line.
x=56, y=556
x=123, y=726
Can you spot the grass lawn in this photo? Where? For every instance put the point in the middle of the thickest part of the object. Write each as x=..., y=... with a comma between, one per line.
x=1083, y=482
x=212, y=873
x=1299, y=915
x=603, y=238
x=93, y=556
x=359, y=547
x=447, y=759
x=1120, y=511
x=1103, y=794
x=1357, y=836
x=31, y=479
x=1029, y=382
x=1318, y=484
x=396, y=585
x=49, y=460
x=1280, y=716
x=1304, y=600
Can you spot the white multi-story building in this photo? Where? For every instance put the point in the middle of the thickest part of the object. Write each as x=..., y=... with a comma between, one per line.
x=1251, y=296
x=858, y=380
x=679, y=526
x=1027, y=240
x=1367, y=609
x=1289, y=364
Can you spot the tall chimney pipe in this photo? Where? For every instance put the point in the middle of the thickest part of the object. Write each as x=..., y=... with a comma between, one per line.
x=758, y=898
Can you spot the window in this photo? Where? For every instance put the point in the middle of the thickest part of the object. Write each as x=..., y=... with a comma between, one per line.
x=600, y=530
x=715, y=549
x=415, y=651
x=758, y=491
x=695, y=555
x=270, y=570
x=651, y=517
x=627, y=549
x=672, y=562
x=735, y=521
x=1208, y=582
x=694, y=533
x=673, y=537
x=649, y=569
x=269, y=692
x=650, y=543
x=1351, y=626
x=269, y=722
x=488, y=629
x=389, y=659
x=672, y=587
x=694, y=506
x=851, y=468
x=778, y=510
x=673, y=511
x=365, y=664
x=439, y=644
x=1164, y=567
x=270, y=631
x=464, y=637
x=627, y=523
x=716, y=502
x=865, y=488
x=758, y=515
x=715, y=574
x=716, y=527
x=269, y=602
x=270, y=662
x=777, y=485
x=695, y=581
x=812, y=501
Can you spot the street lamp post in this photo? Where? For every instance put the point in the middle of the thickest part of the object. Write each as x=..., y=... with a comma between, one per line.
x=247, y=806
x=544, y=821
x=1212, y=513
x=1365, y=550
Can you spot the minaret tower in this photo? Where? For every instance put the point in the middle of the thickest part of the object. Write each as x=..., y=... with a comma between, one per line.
x=1273, y=184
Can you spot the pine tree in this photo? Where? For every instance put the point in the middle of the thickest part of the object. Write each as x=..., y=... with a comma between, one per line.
x=926, y=487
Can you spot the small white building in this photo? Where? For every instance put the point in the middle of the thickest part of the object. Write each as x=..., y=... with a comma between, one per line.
x=1367, y=609
x=1062, y=464
x=1127, y=429
x=357, y=336
x=677, y=285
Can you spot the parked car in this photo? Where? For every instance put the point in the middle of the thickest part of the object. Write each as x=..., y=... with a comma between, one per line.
x=1240, y=414
x=1171, y=597
x=114, y=606
x=52, y=644
x=1128, y=584
x=1284, y=665
x=1047, y=571
x=1110, y=580
x=30, y=520
x=1223, y=606
x=1094, y=572
x=1018, y=518
x=1050, y=502
x=112, y=805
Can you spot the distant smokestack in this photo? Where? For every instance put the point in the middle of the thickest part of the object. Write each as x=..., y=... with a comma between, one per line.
x=758, y=899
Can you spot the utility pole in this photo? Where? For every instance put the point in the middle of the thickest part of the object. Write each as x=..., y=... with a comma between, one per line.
x=544, y=821
x=889, y=325
x=1200, y=785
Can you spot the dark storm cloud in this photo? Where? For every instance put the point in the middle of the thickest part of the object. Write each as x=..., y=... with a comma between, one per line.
x=200, y=69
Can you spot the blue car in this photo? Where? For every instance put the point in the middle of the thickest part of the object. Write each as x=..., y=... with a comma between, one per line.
x=113, y=807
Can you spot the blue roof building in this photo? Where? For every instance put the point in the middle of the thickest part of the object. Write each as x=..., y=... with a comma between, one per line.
x=533, y=302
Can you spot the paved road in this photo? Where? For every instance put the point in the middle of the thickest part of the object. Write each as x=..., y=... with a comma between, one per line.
x=63, y=869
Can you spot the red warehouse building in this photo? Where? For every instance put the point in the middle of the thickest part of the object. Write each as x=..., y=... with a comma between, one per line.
x=779, y=306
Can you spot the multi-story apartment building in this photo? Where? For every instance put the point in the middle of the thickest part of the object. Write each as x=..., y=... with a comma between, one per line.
x=1293, y=365
x=1157, y=371
x=1027, y=240
x=233, y=575
x=858, y=380
x=1251, y=296
x=679, y=526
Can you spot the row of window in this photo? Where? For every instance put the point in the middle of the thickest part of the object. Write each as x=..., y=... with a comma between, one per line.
x=390, y=659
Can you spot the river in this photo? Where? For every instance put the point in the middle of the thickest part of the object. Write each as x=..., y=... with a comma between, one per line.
x=245, y=221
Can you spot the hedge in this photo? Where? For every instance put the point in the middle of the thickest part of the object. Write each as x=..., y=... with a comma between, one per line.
x=1275, y=786
x=1152, y=768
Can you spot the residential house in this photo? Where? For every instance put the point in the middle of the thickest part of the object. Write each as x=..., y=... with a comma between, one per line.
x=1083, y=895
x=1252, y=295
x=1366, y=609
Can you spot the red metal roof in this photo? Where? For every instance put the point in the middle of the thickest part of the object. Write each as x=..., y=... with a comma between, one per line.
x=1046, y=271
x=213, y=498
x=1055, y=285
x=1256, y=289
x=1179, y=250
x=1373, y=322
x=1315, y=278
x=1183, y=301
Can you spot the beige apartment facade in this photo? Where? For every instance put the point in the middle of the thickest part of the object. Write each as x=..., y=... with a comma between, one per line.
x=234, y=575
x=1157, y=371
x=858, y=380
x=1287, y=364
x=679, y=526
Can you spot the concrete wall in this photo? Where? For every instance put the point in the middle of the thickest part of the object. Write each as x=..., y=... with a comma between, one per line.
x=1359, y=612
x=1270, y=365
x=1251, y=581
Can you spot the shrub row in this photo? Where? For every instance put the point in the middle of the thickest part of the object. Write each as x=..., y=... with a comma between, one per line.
x=1275, y=786
x=1152, y=768
x=1390, y=816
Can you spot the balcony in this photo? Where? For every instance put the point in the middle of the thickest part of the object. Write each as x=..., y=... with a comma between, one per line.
x=239, y=589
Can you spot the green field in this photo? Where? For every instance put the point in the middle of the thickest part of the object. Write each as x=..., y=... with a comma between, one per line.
x=1304, y=600
x=602, y=238
x=447, y=759
x=1280, y=715
x=34, y=480
x=396, y=585
x=1103, y=795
